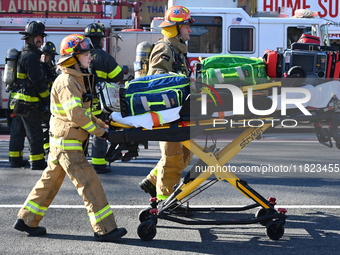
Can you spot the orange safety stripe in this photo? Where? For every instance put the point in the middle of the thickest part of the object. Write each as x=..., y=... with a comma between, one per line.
x=155, y=119
x=220, y=115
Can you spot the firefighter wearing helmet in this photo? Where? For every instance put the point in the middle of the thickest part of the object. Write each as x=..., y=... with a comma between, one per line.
x=49, y=49
x=29, y=95
x=71, y=123
x=170, y=56
x=105, y=69
x=47, y=59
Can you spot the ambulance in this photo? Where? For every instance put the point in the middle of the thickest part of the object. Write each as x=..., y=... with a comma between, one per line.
x=225, y=28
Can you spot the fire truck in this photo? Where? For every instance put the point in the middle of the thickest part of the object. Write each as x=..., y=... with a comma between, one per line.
x=220, y=29
x=60, y=19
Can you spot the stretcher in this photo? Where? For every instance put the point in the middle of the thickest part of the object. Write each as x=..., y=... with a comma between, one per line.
x=186, y=131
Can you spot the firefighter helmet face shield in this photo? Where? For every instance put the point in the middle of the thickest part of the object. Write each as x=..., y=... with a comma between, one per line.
x=71, y=46
x=83, y=45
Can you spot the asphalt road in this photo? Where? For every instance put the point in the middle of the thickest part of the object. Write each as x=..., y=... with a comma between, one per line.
x=310, y=196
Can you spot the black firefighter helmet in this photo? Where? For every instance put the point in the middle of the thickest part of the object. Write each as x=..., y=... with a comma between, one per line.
x=95, y=30
x=34, y=28
x=49, y=48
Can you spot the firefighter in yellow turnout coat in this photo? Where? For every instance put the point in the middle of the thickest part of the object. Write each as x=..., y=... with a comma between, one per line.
x=170, y=56
x=70, y=125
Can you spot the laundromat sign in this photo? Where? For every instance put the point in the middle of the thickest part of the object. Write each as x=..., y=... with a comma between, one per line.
x=55, y=8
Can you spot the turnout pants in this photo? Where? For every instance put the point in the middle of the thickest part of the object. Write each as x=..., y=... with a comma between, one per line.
x=81, y=173
x=17, y=139
x=31, y=127
x=168, y=171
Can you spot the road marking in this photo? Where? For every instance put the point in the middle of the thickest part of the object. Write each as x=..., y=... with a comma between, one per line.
x=118, y=161
x=203, y=206
x=263, y=140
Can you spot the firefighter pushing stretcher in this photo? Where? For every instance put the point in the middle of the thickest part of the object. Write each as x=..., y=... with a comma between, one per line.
x=170, y=56
x=71, y=124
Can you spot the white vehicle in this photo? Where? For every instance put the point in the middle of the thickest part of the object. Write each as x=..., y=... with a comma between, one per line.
x=220, y=30
x=328, y=10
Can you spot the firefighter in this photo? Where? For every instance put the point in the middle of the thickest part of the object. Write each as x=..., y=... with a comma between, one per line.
x=49, y=52
x=71, y=123
x=29, y=93
x=175, y=157
x=48, y=63
x=105, y=69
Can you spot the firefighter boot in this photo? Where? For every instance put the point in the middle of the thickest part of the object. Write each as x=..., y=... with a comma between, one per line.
x=18, y=162
x=101, y=169
x=38, y=164
x=113, y=236
x=21, y=226
x=148, y=187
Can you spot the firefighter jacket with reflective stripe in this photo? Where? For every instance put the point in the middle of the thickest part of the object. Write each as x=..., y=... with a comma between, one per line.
x=30, y=85
x=105, y=68
x=162, y=58
x=72, y=118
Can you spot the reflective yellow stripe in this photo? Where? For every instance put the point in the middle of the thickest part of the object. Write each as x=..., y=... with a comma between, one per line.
x=89, y=127
x=25, y=98
x=58, y=108
x=88, y=112
x=154, y=171
x=44, y=94
x=100, y=215
x=99, y=161
x=101, y=74
x=176, y=19
x=97, y=112
x=115, y=72
x=35, y=208
x=22, y=76
x=72, y=103
x=36, y=157
x=162, y=197
x=66, y=144
x=46, y=146
x=110, y=75
x=15, y=154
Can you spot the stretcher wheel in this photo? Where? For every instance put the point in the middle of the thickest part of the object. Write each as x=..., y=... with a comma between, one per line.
x=147, y=230
x=144, y=215
x=260, y=213
x=275, y=230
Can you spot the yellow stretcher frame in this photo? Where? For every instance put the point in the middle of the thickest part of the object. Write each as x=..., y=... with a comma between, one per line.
x=267, y=216
x=222, y=158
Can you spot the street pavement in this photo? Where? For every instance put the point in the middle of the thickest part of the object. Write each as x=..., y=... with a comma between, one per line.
x=310, y=196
